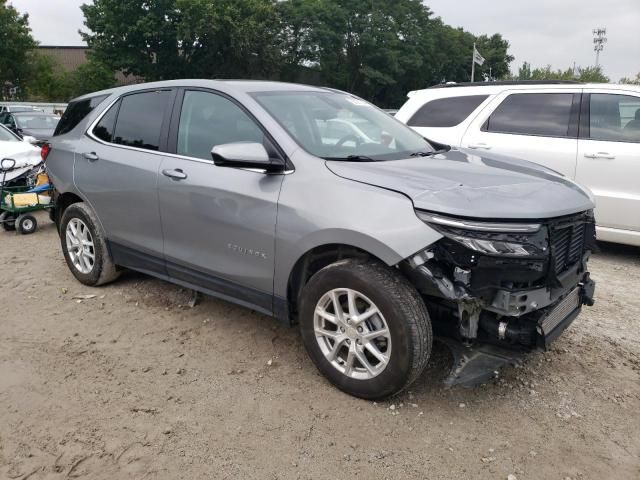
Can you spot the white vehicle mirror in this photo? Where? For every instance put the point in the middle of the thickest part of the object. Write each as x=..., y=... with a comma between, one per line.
x=29, y=139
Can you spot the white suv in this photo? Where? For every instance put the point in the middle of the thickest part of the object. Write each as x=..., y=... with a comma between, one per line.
x=588, y=132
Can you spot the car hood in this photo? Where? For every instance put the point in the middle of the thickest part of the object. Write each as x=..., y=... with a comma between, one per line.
x=463, y=183
x=39, y=133
x=19, y=151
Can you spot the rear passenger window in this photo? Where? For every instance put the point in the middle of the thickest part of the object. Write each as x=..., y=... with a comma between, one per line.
x=104, y=129
x=542, y=114
x=446, y=112
x=208, y=120
x=76, y=112
x=614, y=118
x=140, y=119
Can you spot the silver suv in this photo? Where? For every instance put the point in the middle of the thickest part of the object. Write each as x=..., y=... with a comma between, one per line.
x=313, y=206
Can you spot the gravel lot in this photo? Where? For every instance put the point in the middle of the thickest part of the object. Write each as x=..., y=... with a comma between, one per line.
x=134, y=384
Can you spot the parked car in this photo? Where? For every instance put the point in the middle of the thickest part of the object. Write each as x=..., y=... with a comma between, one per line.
x=38, y=125
x=588, y=132
x=24, y=153
x=19, y=108
x=229, y=188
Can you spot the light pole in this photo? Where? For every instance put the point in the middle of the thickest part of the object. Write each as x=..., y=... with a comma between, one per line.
x=599, y=39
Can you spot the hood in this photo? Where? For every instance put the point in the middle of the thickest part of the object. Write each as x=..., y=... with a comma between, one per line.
x=39, y=133
x=21, y=152
x=463, y=183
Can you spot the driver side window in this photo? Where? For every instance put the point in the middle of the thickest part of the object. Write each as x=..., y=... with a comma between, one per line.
x=207, y=120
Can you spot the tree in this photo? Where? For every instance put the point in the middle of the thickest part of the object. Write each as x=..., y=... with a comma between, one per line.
x=89, y=77
x=15, y=43
x=47, y=80
x=374, y=48
x=631, y=81
x=587, y=74
x=380, y=49
x=164, y=39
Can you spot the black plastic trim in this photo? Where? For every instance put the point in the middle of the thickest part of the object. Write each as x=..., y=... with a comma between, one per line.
x=204, y=282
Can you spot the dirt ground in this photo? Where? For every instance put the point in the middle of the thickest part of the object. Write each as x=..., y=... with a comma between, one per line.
x=135, y=384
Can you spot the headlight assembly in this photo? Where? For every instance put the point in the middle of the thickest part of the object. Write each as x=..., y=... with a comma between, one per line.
x=509, y=239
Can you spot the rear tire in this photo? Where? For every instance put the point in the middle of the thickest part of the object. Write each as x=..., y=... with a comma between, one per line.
x=400, y=328
x=84, y=246
x=8, y=221
x=26, y=224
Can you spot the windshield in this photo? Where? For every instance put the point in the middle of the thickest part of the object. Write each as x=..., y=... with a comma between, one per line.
x=37, y=121
x=7, y=136
x=338, y=126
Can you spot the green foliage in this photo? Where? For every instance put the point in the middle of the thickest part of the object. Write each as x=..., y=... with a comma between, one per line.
x=15, y=42
x=89, y=77
x=631, y=81
x=375, y=48
x=48, y=81
x=163, y=39
x=587, y=74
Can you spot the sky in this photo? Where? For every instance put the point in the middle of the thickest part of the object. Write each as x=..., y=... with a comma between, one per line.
x=541, y=32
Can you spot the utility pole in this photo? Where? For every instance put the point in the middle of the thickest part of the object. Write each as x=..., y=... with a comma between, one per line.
x=599, y=39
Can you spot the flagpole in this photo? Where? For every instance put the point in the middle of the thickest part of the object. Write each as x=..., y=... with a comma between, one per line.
x=473, y=62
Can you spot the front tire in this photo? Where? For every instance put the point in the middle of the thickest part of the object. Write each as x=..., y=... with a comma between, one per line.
x=365, y=327
x=84, y=246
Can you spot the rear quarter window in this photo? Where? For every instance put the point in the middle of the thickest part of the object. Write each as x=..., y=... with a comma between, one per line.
x=76, y=111
x=446, y=112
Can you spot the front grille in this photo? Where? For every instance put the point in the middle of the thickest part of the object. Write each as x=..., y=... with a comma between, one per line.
x=567, y=245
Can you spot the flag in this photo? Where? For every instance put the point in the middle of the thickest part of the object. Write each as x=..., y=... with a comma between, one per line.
x=477, y=58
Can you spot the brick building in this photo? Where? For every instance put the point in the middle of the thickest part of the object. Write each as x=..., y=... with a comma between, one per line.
x=71, y=57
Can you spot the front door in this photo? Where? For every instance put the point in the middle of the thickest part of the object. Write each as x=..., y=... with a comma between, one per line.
x=609, y=158
x=218, y=222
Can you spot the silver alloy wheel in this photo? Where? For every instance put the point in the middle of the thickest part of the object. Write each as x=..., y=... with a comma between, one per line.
x=80, y=246
x=352, y=333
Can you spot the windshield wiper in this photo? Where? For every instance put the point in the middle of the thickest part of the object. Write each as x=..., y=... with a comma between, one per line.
x=428, y=154
x=352, y=158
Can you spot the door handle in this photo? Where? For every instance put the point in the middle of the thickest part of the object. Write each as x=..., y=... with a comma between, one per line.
x=91, y=156
x=480, y=146
x=606, y=155
x=176, y=174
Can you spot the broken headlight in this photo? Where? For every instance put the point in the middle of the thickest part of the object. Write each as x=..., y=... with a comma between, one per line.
x=511, y=239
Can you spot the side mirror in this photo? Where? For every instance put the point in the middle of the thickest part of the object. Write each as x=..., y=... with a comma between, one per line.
x=244, y=155
x=7, y=164
x=29, y=139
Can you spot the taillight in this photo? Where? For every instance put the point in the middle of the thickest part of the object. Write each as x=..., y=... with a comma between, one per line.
x=44, y=151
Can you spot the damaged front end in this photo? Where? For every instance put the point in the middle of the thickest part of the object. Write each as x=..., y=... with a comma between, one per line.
x=496, y=290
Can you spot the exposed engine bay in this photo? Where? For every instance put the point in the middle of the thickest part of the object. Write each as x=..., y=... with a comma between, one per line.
x=506, y=288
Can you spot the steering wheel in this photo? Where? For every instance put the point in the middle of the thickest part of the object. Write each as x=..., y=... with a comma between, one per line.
x=346, y=138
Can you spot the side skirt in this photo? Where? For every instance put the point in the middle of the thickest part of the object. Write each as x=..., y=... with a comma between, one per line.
x=199, y=281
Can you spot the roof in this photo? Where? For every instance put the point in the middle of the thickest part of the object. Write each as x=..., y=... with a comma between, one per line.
x=492, y=88
x=238, y=86
x=508, y=82
x=31, y=113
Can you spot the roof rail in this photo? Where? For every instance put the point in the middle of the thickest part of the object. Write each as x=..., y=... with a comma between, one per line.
x=508, y=82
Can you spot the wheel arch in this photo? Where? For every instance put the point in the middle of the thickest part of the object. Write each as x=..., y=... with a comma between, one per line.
x=64, y=201
x=319, y=256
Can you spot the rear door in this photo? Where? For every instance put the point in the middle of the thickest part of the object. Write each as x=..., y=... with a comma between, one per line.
x=116, y=169
x=609, y=157
x=218, y=222
x=539, y=126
